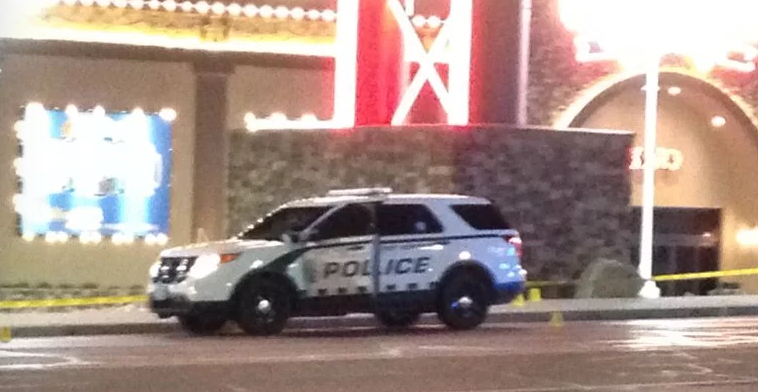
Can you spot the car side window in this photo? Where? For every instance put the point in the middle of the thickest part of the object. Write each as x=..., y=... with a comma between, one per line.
x=402, y=219
x=349, y=221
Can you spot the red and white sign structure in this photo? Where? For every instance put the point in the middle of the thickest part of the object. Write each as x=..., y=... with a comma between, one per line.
x=361, y=22
x=710, y=33
x=455, y=37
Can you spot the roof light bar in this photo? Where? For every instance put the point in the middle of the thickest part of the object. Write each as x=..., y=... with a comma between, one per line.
x=360, y=192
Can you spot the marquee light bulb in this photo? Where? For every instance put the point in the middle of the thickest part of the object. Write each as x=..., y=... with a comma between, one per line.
x=298, y=13
x=234, y=9
x=266, y=11
x=434, y=22
x=278, y=116
x=329, y=16
x=313, y=14
x=35, y=110
x=718, y=121
x=19, y=126
x=308, y=118
x=218, y=8
x=281, y=12
x=168, y=114
x=170, y=5
x=71, y=110
x=202, y=7
x=250, y=10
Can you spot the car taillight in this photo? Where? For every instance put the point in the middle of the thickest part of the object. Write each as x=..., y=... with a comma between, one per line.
x=517, y=244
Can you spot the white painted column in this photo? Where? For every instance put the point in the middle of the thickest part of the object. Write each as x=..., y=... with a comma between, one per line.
x=649, y=290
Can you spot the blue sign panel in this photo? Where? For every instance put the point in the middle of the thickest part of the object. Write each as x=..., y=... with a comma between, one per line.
x=93, y=173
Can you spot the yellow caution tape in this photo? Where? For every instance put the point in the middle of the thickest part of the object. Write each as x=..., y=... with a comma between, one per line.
x=663, y=278
x=546, y=283
x=72, y=302
x=66, y=302
x=706, y=275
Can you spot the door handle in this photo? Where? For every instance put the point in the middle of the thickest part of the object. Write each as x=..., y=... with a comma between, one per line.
x=355, y=248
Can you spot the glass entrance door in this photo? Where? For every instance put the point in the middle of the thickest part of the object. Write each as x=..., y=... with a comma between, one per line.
x=685, y=240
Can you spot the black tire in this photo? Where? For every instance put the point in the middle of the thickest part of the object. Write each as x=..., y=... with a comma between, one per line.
x=256, y=321
x=463, y=302
x=202, y=325
x=397, y=318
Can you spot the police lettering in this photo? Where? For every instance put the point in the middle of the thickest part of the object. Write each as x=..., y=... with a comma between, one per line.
x=392, y=267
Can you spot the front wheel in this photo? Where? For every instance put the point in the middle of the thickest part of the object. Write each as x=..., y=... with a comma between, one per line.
x=264, y=308
x=463, y=302
x=199, y=324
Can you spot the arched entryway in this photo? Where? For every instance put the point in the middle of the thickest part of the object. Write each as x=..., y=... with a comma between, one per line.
x=707, y=185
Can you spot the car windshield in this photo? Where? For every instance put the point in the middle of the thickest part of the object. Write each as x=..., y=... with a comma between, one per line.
x=289, y=219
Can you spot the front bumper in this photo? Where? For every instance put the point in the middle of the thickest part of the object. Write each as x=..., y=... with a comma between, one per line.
x=175, y=300
x=181, y=306
x=507, y=292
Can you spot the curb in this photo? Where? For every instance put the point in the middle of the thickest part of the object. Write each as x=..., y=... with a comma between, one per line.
x=368, y=321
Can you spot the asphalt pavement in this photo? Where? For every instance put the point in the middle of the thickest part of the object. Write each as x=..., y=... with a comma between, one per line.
x=135, y=319
x=648, y=355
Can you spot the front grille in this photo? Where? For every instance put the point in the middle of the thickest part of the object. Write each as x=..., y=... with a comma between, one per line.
x=174, y=269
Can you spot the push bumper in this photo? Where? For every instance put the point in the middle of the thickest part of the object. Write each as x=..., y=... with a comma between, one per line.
x=181, y=306
x=166, y=303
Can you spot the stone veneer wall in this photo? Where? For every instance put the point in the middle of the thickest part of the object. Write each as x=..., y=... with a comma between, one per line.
x=567, y=192
x=557, y=79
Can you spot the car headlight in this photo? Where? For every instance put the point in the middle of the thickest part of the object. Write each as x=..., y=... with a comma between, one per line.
x=155, y=269
x=204, y=266
x=208, y=264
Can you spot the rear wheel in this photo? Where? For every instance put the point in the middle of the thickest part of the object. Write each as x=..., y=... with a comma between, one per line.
x=463, y=302
x=264, y=308
x=199, y=324
x=397, y=318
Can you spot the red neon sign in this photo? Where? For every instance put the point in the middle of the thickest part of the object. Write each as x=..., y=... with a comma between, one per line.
x=453, y=42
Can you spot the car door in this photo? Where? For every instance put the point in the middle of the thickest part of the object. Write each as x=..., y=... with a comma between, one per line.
x=412, y=247
x=341, y=253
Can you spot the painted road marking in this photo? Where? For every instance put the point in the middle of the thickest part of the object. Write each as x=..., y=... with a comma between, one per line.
x=36, y=361
x=622, y=387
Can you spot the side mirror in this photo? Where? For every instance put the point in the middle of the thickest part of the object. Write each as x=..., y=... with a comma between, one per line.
x=290, y=238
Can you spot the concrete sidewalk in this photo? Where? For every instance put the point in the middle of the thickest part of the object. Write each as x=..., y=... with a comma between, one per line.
x=136, y=319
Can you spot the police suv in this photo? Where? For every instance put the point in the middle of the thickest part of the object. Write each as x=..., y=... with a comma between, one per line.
x=449, y=254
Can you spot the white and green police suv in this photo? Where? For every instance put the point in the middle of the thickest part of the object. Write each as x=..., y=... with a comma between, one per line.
x=449, y=254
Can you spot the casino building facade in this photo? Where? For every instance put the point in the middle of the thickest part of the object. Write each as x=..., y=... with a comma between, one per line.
x=87, y=200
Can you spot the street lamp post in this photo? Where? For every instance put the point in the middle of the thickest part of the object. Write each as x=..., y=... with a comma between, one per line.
x=649, y=290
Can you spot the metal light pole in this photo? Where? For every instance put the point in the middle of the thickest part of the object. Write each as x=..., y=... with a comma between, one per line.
x=649, y=290
x=525, y=34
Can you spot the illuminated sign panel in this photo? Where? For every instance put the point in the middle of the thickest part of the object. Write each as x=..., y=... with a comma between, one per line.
x=93, y=174
x=708, y=32
x=669, y=159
